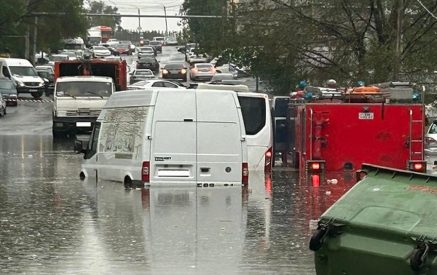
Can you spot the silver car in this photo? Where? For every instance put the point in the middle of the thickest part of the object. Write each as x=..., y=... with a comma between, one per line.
x=202, y=71
x=431, y=139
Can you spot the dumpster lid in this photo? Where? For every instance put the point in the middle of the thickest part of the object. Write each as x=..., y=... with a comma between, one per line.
x=389, y=199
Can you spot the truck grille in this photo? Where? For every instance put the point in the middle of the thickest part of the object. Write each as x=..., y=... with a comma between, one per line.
x=32, y=84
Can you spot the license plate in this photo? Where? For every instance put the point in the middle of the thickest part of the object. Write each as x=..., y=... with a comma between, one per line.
x=83, y=124
x=33, y=90
x=366, y=115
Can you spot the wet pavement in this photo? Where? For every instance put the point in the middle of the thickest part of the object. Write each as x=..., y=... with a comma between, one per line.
x=51, y=222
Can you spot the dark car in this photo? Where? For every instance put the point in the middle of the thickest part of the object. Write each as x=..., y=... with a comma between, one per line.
x=46, y=73
x=148, y=62
x=8, y=91
x=175, y=71
x=157, y=45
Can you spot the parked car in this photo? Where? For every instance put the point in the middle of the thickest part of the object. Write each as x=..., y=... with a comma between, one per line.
x=8, y=91
x=202, y=71
x=145, y=51
x=157, y=83
x=141, y=74
x=2, y=106
x=148, y=62
x=48, y=75
x=431, y=139
x=157, y=45
x=100, y=51
x=175, y=71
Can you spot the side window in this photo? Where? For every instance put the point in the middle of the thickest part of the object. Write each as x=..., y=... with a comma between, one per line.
x=433, y=128
x=158, y=84
x=92, y=145
x=253, y=110
x=169, y=85
x=5, y=72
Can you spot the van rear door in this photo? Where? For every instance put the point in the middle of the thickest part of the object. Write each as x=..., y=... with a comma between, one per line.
x=219, y=138
x=173, y=148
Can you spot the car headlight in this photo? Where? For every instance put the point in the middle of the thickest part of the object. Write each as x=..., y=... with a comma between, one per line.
x=20, y=83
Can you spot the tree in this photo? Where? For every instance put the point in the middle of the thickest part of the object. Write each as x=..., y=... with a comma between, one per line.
x=101, y=8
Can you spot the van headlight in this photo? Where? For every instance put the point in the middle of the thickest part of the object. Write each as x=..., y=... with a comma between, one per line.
x=20, y=83
x=41, y=84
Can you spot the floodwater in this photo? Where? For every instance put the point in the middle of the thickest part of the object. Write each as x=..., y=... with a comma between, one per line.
x=52, y=222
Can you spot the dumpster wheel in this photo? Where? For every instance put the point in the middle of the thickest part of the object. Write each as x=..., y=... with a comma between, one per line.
x=418, y=257
x=317, y=239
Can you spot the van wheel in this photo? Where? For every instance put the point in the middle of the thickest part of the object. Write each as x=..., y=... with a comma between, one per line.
x=37, y=95
x=128, y=183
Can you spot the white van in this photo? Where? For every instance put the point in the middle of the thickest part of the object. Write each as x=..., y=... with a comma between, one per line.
x=255, y=108
x=22, y=72
x=78, y=101
x=168, y=136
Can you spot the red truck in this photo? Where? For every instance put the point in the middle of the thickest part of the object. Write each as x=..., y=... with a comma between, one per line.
x=114, y=68
x=339, y=134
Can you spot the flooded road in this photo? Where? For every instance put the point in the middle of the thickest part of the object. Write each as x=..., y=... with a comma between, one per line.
x=51, y=222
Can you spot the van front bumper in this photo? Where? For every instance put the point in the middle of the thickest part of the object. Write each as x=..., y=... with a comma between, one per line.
x=31, y=90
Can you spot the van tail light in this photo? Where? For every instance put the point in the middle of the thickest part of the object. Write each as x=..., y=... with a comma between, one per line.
x=245, y=174
x=145, y=171
x=417, y=166
x=268, y=160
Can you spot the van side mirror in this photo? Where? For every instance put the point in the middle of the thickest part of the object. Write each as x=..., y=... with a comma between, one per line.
x=80, y=146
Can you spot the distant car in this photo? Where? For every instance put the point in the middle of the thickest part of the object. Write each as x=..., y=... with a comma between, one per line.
x=202, y=71
x=48, y=75
x=141, y=74
x=148, y=62
x=2, y=106
x=227, y=68
x=72, y=55
x=100, y=51
x=8, y=91
x=171, y=42
x=124, y=48
x=145, y=51
x=431, y=139
x=175, y=71
x=155, y=84
x=157, y=45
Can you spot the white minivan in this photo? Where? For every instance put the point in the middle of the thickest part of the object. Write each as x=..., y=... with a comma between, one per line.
x=24, y=75
x=168, y=136
x=255, y=108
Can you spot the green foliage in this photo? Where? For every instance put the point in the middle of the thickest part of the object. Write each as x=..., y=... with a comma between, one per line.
x=101, y=8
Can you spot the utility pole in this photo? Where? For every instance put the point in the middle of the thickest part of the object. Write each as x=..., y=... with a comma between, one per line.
x=139, y=21
x=35, y=34
x=166, y=26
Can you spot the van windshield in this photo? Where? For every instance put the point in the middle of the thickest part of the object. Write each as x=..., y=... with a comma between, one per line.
x=253, y=110
x=83, y=88
x=23, y=71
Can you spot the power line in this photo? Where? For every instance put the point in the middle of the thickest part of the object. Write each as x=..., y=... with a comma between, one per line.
x=427, y=10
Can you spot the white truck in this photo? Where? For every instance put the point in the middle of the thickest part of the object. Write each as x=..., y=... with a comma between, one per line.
x=78, y=101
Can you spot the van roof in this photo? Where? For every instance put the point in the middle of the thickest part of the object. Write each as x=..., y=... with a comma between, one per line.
x=137, y=98
x=16, y=62
x=84, y=77
x=235, y=88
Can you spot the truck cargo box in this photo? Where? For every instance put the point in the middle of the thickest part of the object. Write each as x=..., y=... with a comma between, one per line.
x=386, y=224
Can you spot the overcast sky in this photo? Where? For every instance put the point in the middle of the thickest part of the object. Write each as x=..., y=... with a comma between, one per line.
x=155, y=7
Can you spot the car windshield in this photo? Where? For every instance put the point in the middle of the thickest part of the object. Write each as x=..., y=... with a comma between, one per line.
x=58, y=57
x=146, y=60
x=174, y=66
x=141, y=83
x=83, y=88
x=143, y=73
x=23, y=71
x=45, y=74
x=155, y=43
x=146, y=49
x=6, y=85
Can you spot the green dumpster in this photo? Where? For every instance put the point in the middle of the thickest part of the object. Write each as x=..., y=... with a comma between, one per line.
x=385, y=225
